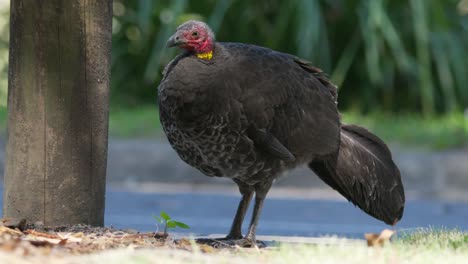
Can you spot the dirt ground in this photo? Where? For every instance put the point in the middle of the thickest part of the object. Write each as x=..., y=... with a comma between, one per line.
x=21, y=239
x=34, y=244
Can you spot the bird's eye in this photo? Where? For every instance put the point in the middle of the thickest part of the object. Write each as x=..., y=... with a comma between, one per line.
x=195, y=34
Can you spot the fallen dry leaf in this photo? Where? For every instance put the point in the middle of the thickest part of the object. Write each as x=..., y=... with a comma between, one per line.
x=184, y=242
x=7, y=230
x=78, y=235
x=81, y=239
x=41, y=243
x=206, y=248
x=41, y=239
x=41, y=234
x=70, y=237
x=378, y=239
x=38, y=239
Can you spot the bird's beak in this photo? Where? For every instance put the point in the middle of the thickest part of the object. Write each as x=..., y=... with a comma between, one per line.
x=174, y=40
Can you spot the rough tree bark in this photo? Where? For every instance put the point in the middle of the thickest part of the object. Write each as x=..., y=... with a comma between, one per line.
x=58, y=111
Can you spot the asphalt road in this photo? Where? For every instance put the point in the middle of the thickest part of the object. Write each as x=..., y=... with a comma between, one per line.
x=213, y=213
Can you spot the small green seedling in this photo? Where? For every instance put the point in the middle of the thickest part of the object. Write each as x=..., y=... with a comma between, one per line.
x=165, y=219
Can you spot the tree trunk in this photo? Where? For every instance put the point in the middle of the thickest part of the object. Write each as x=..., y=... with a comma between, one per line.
x=58, y=111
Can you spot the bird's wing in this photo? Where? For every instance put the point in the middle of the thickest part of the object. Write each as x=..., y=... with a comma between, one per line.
x=269, y=143
x=281, y=97
x=320, y=75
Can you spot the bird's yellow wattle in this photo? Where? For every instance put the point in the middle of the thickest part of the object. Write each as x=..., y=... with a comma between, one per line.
x=206, y=56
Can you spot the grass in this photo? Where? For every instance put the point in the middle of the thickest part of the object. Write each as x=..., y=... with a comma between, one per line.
x=423, y=246
x=125, y=123
x=135, y=122
x=440, y=132
x=435, y=239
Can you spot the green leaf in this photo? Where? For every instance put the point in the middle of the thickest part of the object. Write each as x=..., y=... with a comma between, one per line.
x=171, y=224
x=165, y=216
x=181, y=225
x=159, y=219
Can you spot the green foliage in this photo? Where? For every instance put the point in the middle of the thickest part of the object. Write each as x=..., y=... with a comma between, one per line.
x=4, y=39
x=3, y=119
x=168, y=222
x=436, y=132
x=385, y=55
x=435, y=238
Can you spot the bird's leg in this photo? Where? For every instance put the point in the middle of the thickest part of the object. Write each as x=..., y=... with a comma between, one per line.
x=236, y=227
x=234, y=238
x=261, y=191
x=235, y=234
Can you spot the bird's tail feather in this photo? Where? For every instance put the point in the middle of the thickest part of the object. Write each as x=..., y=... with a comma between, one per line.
x=363, y=171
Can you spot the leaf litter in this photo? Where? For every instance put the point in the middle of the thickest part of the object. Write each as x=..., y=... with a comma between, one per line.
x=33, y=240
x=378, y=240
x=23, y=239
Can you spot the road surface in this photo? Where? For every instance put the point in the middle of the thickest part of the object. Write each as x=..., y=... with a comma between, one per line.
x=212, y=214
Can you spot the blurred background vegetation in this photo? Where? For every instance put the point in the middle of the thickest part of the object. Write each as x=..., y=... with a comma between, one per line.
x=401, y=65
x=394, y=56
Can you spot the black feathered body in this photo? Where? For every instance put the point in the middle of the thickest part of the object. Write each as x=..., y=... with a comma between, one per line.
x=211, y=111
x=250, y=113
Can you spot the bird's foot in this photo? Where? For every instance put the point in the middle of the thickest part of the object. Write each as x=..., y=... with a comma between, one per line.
x=227, y=242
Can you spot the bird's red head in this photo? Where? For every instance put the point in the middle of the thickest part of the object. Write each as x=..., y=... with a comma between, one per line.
x=194, y=36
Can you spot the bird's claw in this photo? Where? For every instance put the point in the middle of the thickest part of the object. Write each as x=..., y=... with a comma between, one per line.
x=230, y=243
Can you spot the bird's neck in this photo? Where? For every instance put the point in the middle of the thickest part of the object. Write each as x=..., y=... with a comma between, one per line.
x=205, y=51
x=206, y=56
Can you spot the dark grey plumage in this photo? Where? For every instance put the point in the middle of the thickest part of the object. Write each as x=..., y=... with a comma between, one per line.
x=251, y=113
